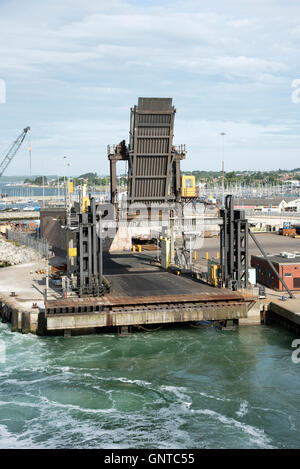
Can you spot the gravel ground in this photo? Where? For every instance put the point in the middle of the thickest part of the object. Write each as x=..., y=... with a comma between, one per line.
x=14, y=254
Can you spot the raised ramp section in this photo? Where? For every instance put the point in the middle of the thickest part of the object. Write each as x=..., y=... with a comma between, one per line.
x=153, y=161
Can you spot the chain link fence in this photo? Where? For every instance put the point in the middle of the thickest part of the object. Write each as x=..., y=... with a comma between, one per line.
x=39, y=245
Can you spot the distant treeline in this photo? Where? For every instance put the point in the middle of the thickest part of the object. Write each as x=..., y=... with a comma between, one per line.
x=230, y=177
x=92, y=179
x=38, y=181
x=244, y=177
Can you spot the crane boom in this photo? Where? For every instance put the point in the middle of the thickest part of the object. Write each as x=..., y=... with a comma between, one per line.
x=12, y=151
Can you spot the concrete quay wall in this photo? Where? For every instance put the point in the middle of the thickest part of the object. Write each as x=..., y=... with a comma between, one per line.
x=35, y=321
x=21, y=319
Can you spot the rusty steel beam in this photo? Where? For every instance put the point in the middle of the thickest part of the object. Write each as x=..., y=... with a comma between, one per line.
x=131, y=301
x=86, y=305
x=175, y=313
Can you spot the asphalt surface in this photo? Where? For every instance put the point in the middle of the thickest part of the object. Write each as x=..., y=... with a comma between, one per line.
x=162, y=284
x=133, y=275
x=271, y=243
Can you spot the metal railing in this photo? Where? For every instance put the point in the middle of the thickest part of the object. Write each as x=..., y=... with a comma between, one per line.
x=39, y=245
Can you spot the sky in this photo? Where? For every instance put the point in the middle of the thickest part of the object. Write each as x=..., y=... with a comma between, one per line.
x=72, y=70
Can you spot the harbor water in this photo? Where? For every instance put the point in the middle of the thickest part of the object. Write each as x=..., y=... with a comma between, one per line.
x=26, y=195
x=178, y=387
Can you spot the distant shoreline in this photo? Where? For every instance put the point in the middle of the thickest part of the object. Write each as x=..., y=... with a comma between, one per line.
x=17, y=184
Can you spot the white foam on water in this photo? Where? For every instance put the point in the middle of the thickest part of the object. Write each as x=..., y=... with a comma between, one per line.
x=30, y=382
x=19, y=403
x=121, y=379
x=291, y=419
x=10, y=441
x=224, y=399
x=292, y=424
x=180, y=393
x=65, y=368
x=85, y=410
x=60, y=426
x=256, y=435
x=139, y=382
x=243, y=410
x=118, y=430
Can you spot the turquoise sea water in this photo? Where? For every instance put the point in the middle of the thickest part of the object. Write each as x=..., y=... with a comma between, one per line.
x=174, y=388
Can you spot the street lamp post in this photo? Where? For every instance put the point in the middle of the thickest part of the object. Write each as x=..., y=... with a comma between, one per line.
x=65, y=188
x=67, y=184
x=223, y=198
x=69, y=188
x=57, y=188
x=43, y=191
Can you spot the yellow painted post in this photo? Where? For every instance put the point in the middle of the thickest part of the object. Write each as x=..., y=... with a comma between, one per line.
x=207, y=255
x=139, y=248
x=165, y=252
x=195, y=255
x=218, y=255
x=72, y=252
x=85, y=200
x=133, y=248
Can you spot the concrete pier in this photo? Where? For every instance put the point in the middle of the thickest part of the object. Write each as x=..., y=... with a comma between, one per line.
x=141, y=294
x=22, y=296
x=22, y=320
x=285, y=313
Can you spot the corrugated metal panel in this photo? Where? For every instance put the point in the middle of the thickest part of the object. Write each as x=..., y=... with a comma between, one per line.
x=152, y=145
x=153, y=131
x=154, y=119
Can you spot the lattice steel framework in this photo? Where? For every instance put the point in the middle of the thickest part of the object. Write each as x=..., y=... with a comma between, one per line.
x=234, y=246
x=85, y=260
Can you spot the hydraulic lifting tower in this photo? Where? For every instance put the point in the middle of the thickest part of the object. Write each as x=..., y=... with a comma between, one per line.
x=84, y=244
x=234, y=249
x=234, y=246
